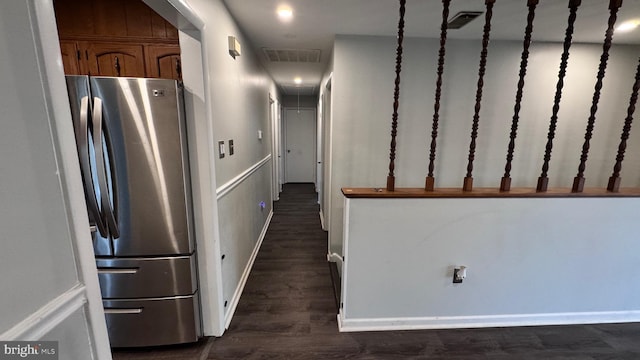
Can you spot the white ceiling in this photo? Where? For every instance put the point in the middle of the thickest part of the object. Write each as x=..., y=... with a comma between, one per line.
x=316, y=22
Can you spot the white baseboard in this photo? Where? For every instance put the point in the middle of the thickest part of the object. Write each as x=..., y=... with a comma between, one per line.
x=47, y=317
x=462, y=322
x=245, y=274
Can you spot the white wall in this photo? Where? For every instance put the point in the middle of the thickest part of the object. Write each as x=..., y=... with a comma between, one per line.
x=238, y=92
x=48, y=275
x=530, y=262
x=293, y=101
x=363, y=73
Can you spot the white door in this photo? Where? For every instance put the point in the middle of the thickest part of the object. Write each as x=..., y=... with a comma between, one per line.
x=49, y=278
x=300, y=145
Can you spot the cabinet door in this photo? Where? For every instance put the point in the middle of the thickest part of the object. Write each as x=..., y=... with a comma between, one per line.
x=163, y=61
x=69, y=51
x=114, y=59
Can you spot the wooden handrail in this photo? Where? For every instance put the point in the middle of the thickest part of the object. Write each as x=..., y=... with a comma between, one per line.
x=516, y=192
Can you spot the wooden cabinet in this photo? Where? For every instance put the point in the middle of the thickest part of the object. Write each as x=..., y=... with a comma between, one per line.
x=163, y=61
x=70, y=57
x=116, y=38
x=111, y=18
x=115, y=59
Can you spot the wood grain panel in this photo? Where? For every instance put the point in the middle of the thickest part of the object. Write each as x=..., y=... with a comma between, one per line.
x=74, y=17
x=163, y=61
x=110, y=18
x=70, y=61
x=158, y=26
x=102, y=59
x=172, y=32
x=138, y=19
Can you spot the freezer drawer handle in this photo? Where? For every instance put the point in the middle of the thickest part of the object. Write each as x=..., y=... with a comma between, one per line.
x=117, y=270
x=122, y=311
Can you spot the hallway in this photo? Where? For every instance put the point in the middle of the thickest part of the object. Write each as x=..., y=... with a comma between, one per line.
x=287, y=311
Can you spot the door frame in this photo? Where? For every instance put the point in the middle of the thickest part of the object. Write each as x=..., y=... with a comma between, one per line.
x=275, y=148
x=284, y=139
x=86, y=293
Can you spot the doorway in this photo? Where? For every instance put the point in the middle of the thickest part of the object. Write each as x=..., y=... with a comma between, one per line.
x=300, y=145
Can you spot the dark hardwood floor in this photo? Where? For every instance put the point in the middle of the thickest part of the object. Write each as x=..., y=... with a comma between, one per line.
x=287, y=311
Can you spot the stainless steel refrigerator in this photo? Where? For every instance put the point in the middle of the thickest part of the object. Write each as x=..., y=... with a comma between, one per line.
x=131, y=140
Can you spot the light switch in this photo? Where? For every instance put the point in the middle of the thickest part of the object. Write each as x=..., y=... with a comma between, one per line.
x=259, y=134
x=221, y=149
x=230, y=147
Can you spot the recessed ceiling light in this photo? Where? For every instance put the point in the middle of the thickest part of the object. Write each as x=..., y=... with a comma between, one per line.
x=285, y=13
x=628, y=25
x=297, y=80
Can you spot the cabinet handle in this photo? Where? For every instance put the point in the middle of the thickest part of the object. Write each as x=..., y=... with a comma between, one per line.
x=178, y=69
x=117, y=66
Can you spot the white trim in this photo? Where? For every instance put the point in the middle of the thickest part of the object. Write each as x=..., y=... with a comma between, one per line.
x=57, y=102
x=334, y=257
x=245, y=275
x=233, y=183
x=344, y=259
x=322, y=220
x=210, y=283
x=328, y=142
x=52, y=314
x=482, y=321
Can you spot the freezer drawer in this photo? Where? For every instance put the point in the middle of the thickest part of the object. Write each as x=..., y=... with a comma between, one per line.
x=152, y=322
x=147, y=277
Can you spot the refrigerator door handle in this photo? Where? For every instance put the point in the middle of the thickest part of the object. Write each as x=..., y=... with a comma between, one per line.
x=85, y=165
x=122, y=311
x=98, y=135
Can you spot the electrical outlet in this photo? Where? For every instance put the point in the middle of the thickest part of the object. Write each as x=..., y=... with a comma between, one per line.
x=459, y=273
x=456, y=278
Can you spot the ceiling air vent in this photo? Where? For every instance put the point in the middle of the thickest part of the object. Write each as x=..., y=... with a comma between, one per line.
x=292, y=55
x=462, y=18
